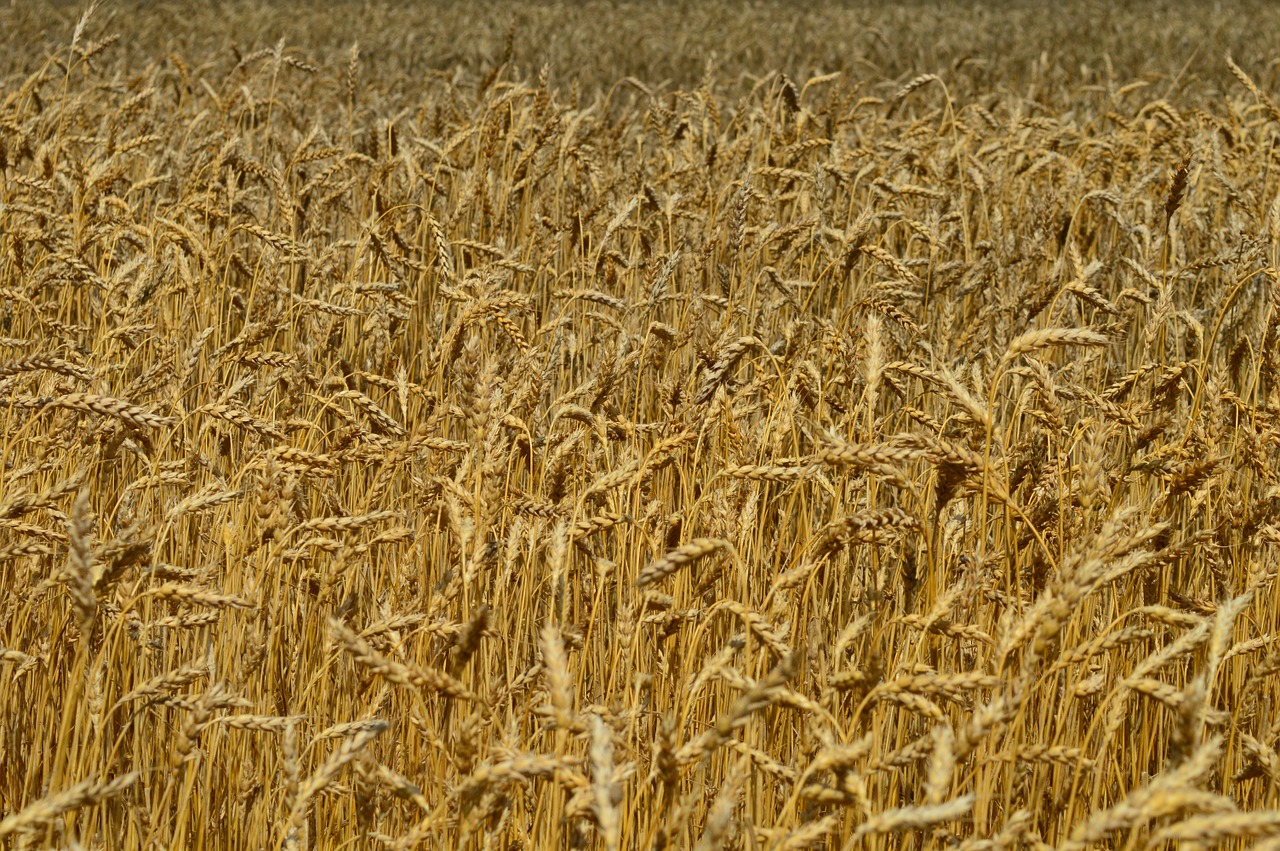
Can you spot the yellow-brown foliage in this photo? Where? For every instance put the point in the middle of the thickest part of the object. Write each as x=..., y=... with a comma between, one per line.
x=489, y=434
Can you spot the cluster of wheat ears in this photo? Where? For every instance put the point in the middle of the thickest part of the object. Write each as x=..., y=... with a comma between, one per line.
x=765, y=463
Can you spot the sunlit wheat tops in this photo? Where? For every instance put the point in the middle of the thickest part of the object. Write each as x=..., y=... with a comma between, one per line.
x=661, y=427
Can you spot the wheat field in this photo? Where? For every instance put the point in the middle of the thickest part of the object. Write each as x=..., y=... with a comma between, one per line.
x=540, y=426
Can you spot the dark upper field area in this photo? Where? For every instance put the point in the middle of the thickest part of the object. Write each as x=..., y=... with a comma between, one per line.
x=981, y=49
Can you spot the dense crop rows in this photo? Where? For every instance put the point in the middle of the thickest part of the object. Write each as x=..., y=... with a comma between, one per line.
x=404, y=449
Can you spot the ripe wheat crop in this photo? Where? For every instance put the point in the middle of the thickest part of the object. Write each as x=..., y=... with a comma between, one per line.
x=656, y=427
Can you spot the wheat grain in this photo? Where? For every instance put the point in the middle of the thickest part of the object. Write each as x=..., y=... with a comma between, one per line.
x=764, y=462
